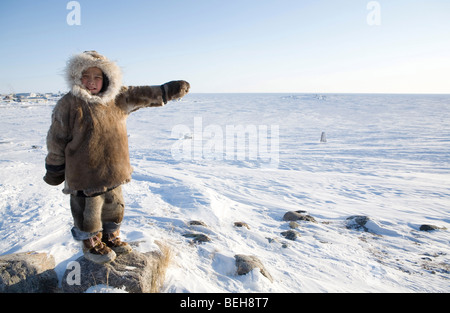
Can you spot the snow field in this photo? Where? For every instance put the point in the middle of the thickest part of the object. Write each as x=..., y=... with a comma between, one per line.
x=387, y=157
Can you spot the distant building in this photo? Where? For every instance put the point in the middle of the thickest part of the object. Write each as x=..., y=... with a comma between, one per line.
x=31, y=97
x=38, y=99
x=25, y=95
x=9, y=98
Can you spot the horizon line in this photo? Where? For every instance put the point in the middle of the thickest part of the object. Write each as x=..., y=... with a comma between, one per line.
x=278, y=92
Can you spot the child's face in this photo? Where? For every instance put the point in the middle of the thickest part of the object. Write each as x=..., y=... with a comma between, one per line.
x=92, y=79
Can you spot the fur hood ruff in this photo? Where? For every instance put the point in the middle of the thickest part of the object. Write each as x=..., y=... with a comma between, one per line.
x=81, y=62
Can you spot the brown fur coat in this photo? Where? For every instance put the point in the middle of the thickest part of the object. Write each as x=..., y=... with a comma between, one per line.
x=87, y=138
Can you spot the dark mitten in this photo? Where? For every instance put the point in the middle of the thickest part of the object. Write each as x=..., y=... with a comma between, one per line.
x=175, y=89
x=55, y=174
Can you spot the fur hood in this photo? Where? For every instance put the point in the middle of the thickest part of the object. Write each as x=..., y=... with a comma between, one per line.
x=81, y=62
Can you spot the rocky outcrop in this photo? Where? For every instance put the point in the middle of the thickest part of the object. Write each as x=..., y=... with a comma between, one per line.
x=134, y=272
x=29, y=272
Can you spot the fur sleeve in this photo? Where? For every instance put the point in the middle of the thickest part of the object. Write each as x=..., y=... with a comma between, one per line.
x=57, y=136
x=133, y=98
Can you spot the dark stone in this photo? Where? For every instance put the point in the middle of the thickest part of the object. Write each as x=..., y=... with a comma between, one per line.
x=427, y=227
x=297, y=215
x=357, y=222
x=246, y=263
x=241, y=224
x=200, y=223
x=197, y=237
x=290, y=234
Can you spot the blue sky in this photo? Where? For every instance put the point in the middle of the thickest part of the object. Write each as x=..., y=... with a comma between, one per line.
x=234, y=46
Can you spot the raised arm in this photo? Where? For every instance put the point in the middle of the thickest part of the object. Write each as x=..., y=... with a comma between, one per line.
x=133, y=98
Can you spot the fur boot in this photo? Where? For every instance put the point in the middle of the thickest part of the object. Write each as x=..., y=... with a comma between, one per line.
x=113, y=241
x=96, y=251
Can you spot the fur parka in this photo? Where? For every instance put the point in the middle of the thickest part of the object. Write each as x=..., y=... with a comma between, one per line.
x=87, y=141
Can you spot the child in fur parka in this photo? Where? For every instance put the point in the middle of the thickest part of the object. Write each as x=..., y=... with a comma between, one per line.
x=88, y=148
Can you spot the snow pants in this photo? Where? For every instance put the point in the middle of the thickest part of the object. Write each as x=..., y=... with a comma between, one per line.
x=101, y=213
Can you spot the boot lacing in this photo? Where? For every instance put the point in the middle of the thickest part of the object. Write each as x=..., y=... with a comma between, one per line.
x=96, y=242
